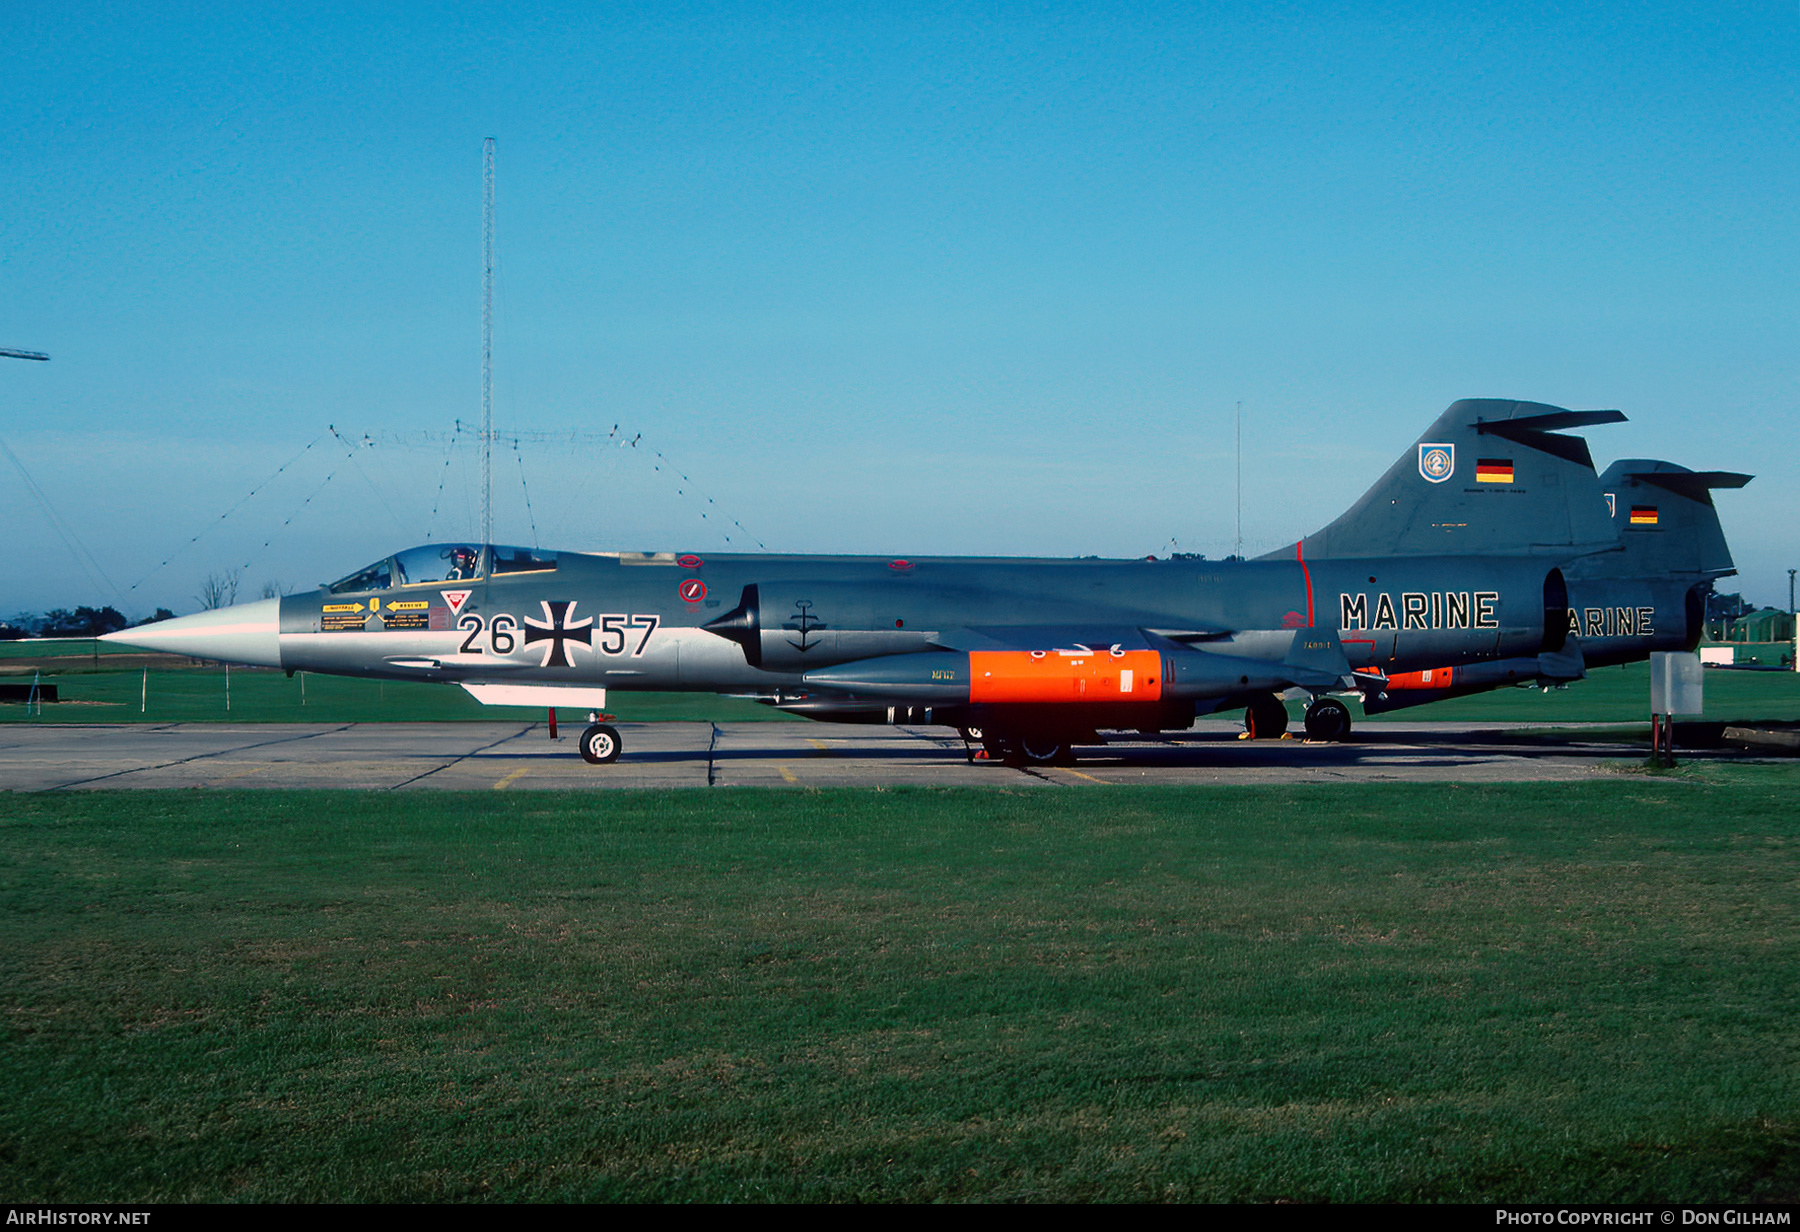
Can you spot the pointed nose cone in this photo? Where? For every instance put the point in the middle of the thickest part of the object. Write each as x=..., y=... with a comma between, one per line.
x=244, y=633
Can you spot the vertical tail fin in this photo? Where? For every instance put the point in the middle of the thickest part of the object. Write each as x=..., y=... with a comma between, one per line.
x=1666, y=521
x=1671, y=548
x=1490, y=476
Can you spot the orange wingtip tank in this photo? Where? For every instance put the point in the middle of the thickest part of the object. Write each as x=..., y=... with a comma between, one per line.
x=1079, y=675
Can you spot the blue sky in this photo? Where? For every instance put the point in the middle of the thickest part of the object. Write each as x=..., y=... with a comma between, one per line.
x=917, y=279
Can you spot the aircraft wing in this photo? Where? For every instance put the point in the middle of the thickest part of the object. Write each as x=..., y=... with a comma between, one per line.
x=1065, y=637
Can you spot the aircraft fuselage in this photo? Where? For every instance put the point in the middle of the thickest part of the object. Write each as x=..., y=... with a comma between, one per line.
x=637, y=621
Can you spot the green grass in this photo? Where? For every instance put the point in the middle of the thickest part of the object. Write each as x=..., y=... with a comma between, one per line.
x=1612, y=695
x=61, y=648
x=269, y=696
x=1571, y=992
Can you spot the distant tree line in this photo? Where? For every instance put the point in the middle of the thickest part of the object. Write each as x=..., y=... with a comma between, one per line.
x=218, y=590
x=82, y=622
x=1727, y=606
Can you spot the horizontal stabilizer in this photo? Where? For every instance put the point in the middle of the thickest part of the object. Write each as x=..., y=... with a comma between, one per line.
x=1536, y=431
x=1549, y=421
x=1695, y=485
x=1568, y=448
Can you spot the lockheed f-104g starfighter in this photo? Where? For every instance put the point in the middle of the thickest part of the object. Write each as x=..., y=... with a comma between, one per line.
x=1490, y=553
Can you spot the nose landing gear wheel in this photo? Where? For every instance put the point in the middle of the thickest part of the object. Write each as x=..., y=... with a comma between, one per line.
x=1328, y=719
x=600, y=745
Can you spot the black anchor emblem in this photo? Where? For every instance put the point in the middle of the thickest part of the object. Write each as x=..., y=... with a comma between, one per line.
x=802, y=621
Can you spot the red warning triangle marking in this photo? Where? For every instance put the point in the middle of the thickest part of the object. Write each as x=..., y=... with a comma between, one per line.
x=455, y=598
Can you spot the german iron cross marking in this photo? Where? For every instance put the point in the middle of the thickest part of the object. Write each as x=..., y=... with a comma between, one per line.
x=555, y=629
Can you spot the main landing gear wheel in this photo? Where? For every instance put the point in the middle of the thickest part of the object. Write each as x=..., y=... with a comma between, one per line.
x=600, y=745
x=1328, y=719
x=1046, y=752
x=1265, y=718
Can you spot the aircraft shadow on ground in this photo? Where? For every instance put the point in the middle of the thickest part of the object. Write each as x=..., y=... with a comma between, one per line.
x=1223, y=753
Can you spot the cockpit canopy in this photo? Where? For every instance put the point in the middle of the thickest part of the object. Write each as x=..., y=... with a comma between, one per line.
x=437, y=563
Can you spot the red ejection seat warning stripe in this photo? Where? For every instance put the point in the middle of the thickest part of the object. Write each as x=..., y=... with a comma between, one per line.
x=1061, y=676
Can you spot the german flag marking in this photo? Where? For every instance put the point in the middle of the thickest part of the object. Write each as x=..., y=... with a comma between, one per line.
x=1493, y=470
x=1643, y=515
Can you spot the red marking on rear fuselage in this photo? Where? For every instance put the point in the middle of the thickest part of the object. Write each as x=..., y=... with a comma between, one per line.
x=1300, y=555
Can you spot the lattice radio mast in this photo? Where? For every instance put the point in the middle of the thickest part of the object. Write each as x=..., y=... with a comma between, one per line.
x=487, y=341
x=1240, y=481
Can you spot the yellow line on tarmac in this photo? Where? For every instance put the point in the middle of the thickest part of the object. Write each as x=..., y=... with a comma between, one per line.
x=510, y=779
x=787, y=774
x=819, y=745
x=1078, y=774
